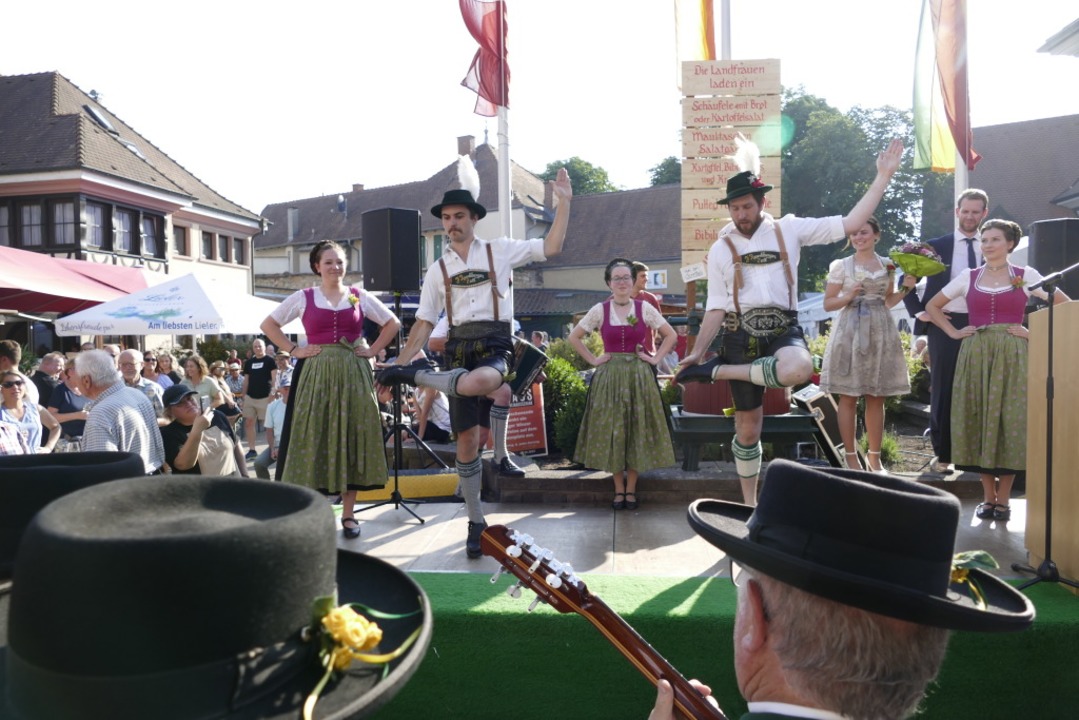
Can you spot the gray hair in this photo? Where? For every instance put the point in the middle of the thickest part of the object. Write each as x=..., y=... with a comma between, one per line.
x=99, y=366
x=853, y=662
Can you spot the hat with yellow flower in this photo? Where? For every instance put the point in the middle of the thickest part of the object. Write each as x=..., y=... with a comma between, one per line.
x=201, y=597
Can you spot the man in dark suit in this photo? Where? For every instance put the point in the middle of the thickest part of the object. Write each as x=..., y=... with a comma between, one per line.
x=959, y=250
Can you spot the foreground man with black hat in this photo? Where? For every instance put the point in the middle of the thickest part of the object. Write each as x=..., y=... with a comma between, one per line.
x=753, y=299
x=848, y=591
x=472, y=282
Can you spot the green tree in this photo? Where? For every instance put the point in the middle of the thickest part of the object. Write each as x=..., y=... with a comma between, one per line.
x=587, y=179
x=667, y=172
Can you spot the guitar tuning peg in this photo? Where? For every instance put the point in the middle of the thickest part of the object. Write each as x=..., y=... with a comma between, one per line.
x=556, y=566
x=514, y=591
x=498, y=574
x=554, y=581
x=526, y=540
x=539, y=559
x=514, y=551
x=535, y=602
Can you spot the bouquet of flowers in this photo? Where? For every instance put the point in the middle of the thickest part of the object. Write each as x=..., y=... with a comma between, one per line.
x=916, y=258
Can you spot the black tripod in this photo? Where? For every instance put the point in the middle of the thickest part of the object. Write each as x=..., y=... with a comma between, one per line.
x=1047, y=570
x=395, y=430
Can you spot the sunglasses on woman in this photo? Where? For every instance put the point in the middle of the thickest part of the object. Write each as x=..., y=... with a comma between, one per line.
x=11, y=383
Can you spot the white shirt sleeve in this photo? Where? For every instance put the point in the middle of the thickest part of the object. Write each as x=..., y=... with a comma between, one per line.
x=592, y=319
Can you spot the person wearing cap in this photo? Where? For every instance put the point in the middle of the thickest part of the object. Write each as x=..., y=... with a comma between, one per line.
x=284, y=367
x=848, y=591
x=472, y=281
x=121, y=418
x=753, y=299
x=199, y=441
x=275, y=425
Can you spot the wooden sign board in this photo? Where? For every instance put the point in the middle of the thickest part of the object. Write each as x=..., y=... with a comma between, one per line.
x=731, y=77
x=737, y=110
x=708, y=173
x=720, y=141
x=704, y=204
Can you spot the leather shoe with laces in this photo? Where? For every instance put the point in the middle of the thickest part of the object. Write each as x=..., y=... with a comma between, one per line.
x=472, y=543
x=507, y=468
x=702, y=372
x=403, y=374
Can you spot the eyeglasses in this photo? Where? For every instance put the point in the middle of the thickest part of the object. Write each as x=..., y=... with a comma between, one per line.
x=11, y=383
x=621, y=278
x=149, y=359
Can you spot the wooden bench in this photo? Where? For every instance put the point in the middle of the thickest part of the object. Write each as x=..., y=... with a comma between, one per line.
x=693, y=431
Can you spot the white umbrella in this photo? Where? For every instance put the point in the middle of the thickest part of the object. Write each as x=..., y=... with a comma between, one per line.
x=180, y=306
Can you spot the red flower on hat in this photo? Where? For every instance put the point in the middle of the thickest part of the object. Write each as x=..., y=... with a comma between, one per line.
x=756, y=183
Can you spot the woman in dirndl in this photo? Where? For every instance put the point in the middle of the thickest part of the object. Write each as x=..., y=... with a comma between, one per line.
x=332, y=438
x=624, y=430
x=989, y=394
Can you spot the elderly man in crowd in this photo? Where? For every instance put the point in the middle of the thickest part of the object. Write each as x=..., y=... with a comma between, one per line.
x=47, y=375
x=130, y=363
x=122, y=418
x=848, y=590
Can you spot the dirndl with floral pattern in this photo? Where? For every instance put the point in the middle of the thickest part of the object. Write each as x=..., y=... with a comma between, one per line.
x=623, y=425
x=335, y=442
x=989, y=403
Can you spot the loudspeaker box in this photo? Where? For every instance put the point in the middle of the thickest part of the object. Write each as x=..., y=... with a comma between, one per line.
x=1054, y=245
x=391, y=250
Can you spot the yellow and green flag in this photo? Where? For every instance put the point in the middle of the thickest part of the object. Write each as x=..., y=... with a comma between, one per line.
x=941, y=98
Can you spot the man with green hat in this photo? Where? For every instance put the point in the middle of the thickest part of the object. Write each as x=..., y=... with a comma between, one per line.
x=753, y=299
x=473, y=282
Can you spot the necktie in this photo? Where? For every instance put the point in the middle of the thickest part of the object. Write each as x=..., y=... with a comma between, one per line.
x=972, y=262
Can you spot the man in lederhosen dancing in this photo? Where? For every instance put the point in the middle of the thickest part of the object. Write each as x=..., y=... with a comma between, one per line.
x=472, y=281
x=753, y=299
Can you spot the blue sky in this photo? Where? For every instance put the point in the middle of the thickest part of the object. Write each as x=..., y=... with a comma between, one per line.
x=268, y=102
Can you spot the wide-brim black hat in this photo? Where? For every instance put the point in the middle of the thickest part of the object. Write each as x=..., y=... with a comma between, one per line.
x=180, y=597
x=459, y=197
x=879, y=543
x=30, y=482
x=741, y=184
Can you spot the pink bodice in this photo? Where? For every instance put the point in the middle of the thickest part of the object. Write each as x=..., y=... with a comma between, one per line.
x=326, y=327
x=622, y=338
x=994, y=308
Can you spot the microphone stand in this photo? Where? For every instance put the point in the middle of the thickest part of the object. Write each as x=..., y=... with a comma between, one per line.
x=1047, y=571
x=396, y=499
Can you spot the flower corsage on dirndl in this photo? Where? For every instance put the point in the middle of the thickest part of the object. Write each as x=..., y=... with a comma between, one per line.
x=917, y=258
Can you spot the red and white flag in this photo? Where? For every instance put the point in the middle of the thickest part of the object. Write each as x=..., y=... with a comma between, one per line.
x=489, y=75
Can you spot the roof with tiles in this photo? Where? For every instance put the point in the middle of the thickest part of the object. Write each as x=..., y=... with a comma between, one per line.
x=644, y=223
x=49, y=124
x=319, y=218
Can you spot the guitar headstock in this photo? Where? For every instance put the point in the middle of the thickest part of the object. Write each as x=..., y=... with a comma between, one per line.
x=536, y=568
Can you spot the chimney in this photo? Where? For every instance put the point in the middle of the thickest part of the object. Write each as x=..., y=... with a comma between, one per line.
x=466, y=145
x=293, y=222
x=357, y=187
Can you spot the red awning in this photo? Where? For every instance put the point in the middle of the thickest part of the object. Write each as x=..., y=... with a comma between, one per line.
x=39, y=283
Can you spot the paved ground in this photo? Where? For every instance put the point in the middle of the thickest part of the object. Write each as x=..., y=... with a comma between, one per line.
x=653, y=540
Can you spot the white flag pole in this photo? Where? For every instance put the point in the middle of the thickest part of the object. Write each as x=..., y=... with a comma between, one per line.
x=505, y=211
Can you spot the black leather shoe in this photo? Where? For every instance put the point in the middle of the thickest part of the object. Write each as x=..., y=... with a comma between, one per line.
x=350, y=527
x=698, y=373
x=507, y=468
x=402, y=374
x=472, y=543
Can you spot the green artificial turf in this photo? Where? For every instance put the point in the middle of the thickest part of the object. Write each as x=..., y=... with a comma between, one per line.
x=490, y=658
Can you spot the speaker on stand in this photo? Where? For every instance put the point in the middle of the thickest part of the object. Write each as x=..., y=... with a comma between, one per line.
x=391, y=263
